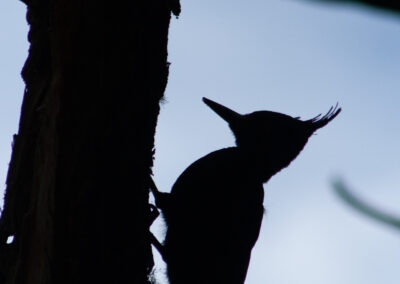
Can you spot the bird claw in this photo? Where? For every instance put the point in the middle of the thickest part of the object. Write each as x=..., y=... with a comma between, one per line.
x=154, y=213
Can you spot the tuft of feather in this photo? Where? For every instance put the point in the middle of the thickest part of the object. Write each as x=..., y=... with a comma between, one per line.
x=318, y=121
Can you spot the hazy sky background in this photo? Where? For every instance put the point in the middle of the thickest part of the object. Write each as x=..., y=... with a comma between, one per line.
x=290, y=56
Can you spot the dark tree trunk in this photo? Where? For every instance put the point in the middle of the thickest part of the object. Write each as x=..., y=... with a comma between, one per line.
x=77, y=196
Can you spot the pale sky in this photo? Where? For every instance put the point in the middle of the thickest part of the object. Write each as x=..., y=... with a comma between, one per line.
x=290, y=56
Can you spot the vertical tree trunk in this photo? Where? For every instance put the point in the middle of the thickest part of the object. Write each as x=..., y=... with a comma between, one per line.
x=77, y=196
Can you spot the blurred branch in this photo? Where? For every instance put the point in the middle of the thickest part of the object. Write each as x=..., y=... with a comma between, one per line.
x=346, y=195
x=388, y=5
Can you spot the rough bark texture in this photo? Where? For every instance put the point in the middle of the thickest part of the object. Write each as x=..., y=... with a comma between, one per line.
x=76, y=197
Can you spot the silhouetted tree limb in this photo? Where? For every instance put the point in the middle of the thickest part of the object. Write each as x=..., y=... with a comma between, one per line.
x=77, y=196
x=363, y=207
x=388, y=5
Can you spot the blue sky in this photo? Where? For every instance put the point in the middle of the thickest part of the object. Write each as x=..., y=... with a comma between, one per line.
x=290, y=56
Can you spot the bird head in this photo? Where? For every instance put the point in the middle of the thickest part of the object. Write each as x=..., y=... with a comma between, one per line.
x=271, y=136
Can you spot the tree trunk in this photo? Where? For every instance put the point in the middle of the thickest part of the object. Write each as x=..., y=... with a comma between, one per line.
x=77, y=197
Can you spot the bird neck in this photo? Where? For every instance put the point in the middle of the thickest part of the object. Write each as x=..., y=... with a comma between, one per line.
x=264, y=164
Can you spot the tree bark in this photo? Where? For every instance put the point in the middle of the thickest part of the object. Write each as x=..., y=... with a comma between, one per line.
x=77, y=188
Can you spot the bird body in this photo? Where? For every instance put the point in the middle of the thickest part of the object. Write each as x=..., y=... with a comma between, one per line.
x=213, y=219
x=215, y=208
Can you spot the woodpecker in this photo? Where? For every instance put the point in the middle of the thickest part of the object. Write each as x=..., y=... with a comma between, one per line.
x=214, y=211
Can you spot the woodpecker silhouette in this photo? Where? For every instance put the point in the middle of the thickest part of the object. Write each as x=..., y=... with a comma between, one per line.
x=215, y=208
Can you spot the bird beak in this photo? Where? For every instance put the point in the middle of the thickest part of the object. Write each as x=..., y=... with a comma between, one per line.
x=227, y=114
